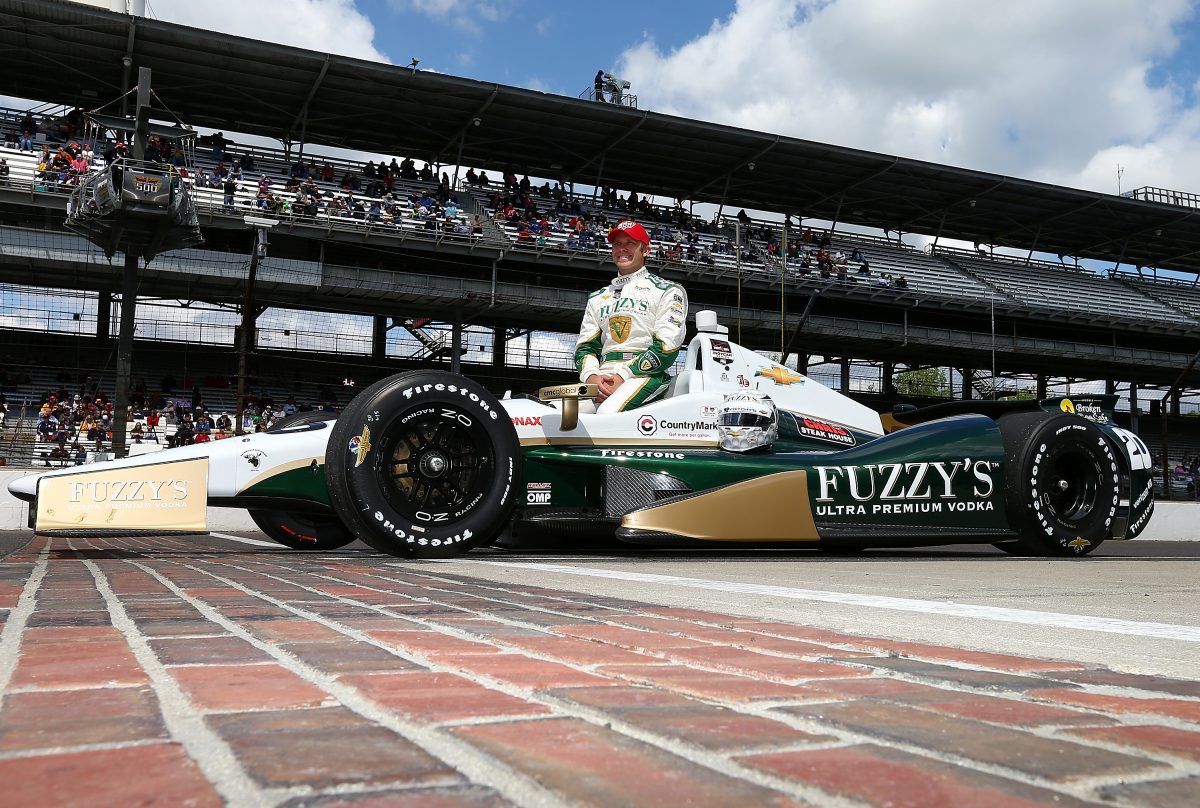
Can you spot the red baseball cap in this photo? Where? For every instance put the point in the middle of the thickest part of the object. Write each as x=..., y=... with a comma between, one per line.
x=632, y=229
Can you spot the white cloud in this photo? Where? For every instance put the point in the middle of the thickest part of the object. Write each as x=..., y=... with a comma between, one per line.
x=328, y=26
x=1054, y=91
x=469, y=16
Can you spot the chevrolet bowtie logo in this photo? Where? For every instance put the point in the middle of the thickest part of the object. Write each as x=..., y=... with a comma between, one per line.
x=779, y=375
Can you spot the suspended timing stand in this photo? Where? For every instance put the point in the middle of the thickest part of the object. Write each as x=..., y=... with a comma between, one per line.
x=140, y=208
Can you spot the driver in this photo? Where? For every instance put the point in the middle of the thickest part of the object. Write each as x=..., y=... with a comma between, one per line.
x=632, y=328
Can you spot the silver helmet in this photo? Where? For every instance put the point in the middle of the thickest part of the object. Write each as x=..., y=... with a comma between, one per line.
x=747, y=421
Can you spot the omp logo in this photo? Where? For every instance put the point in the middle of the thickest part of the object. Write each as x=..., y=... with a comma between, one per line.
x=647, y=425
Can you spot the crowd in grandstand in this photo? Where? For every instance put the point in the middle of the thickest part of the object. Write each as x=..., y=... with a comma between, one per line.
x=74, y=425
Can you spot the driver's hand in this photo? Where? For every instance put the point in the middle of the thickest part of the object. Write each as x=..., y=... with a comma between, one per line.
x=605, y=385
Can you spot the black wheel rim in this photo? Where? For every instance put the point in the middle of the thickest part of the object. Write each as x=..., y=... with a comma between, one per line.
x=1073, y=487
x=437, y=465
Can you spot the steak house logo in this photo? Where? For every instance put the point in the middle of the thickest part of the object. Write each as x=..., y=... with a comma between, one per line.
x=812, y=428
x=925, y=487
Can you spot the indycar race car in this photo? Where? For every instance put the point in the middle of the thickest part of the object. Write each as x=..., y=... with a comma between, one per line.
x=430, y=464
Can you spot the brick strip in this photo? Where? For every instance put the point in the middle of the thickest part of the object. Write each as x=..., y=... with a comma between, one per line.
x=479, y=692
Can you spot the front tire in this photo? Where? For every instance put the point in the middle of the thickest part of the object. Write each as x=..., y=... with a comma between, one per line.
x=424, y=465
x=302, y=531
x=1062, y=484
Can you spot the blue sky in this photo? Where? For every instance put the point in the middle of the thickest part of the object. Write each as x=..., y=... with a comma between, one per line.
x=556, y=47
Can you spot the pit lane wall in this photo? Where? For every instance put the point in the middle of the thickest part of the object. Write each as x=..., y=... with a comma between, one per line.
x=14, y=513
x=1172, y=521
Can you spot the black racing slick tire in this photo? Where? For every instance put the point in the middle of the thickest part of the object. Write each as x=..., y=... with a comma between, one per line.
x=1062, y=484
x=302, y=531
x=424, y=465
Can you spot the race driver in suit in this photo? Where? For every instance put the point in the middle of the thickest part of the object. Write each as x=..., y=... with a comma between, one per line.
x=632, y=328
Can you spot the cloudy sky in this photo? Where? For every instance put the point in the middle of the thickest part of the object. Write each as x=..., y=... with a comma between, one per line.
x=1065, y=91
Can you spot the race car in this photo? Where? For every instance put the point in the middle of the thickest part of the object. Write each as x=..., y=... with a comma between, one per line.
x=741, y=451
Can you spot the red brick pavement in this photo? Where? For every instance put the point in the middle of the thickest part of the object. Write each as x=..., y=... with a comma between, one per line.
x=153, y=672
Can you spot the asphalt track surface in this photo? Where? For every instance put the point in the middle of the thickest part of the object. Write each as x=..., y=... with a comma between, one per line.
x=228, y=670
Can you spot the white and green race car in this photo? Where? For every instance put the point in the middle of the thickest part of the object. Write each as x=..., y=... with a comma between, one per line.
x=430, y=464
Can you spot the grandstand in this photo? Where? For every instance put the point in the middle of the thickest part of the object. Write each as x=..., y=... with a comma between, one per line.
x=425, y=280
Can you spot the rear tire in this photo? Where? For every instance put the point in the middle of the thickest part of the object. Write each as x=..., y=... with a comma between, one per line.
x=1062, y=484
x=424, y=465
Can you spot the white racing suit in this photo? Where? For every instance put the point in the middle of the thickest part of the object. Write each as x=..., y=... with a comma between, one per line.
x=632, y=328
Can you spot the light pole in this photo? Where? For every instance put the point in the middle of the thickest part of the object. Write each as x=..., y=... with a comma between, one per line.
x=246, y=335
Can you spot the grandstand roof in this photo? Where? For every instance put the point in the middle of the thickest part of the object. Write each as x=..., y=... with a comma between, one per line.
x=73, y=54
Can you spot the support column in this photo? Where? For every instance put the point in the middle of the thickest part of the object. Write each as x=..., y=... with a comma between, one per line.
x=965, y=383
x=888, y=380
x=104, y=303
x=1176, y=398
x=1041, y=385
x=1110, y=387
x=456, y=343
x=129, y=284
x=802, y=363
x=379, y=332
x=1133, y=409
x=845, y=382
x=499, y=347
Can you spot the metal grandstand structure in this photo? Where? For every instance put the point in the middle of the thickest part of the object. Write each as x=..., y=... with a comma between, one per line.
x=74, y=54
x=960, y=310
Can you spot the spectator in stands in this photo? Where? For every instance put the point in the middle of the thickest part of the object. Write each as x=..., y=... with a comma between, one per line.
x=901, y=282
x=218, y=147
x=598, y=86
x=46, y=427
x=79, y=453
x=28, y=130
x=137, y=433
x=864, y=269
x=58, y=456
x=184, y=433
x=229, y=189
x=119, y=151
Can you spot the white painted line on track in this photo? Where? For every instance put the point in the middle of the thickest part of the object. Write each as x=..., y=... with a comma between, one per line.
x=255, y=542
x=1167, y=631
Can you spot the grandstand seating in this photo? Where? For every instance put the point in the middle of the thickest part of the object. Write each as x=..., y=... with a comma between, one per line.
x=948, y=276
x=1077, y=292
